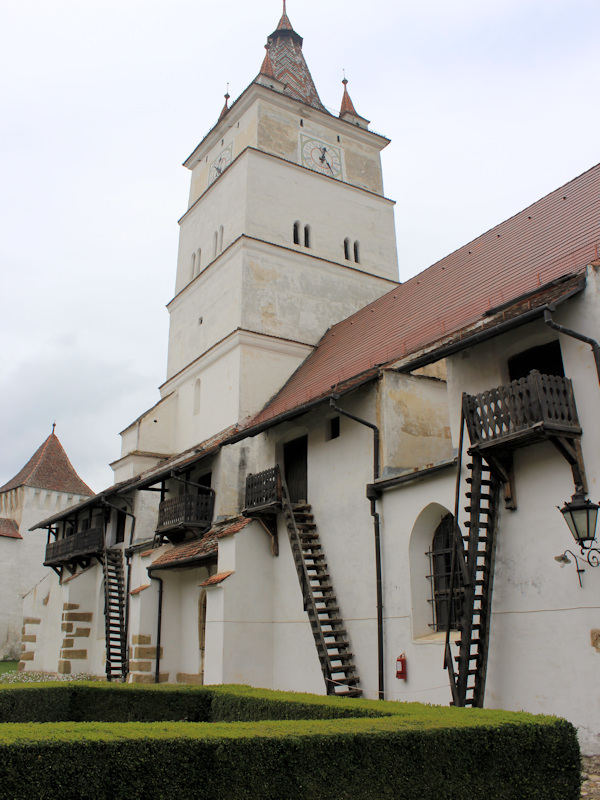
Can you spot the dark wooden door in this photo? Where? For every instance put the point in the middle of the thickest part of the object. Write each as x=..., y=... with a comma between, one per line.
x=295, y=468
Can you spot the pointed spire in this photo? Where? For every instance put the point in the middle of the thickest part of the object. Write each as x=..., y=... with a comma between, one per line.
x=347, y=104
x=226, y=106
x=284, y=22
x=49, y=468
x=348, y=113
x=287, y=66
x=267, y=65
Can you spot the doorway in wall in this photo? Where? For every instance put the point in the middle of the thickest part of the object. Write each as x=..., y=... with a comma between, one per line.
x=295, y=468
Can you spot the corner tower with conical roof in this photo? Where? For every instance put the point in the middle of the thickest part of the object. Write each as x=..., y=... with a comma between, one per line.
x=287, y=232
x=48, y=483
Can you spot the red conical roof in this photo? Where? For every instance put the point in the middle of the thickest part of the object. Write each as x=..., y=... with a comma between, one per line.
x=49, y=468
x=267, y=65
x=347, y=104
x=284, y=52
x=284, y=22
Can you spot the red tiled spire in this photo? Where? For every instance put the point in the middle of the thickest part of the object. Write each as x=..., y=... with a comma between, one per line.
x=347, y=104
x=287, y=64
x=225, y=107
x=267, y=65
x=284, y=22
x=49, y=468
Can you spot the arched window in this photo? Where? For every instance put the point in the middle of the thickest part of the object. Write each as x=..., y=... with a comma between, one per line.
x=347, y=249
x=193, y=266
x=446, y=606
x=296, y=233
x=221, y=239
x=357, y=252
x=198, y=262
x=307, y=236
x=215, y=244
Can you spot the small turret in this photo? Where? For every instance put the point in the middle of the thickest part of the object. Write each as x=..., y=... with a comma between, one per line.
x=348, y=112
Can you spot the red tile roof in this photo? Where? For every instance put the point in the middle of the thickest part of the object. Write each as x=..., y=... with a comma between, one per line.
x=558, y=235
x=199, y=549
x=49, y=468
x=284, y=49
x=216, y=579
x=267, y=65
x=347, y=104
x=9, y=529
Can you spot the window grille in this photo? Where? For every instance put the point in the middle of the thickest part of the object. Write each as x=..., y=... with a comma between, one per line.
x=444, y=607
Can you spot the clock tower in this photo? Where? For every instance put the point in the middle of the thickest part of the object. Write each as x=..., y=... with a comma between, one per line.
x=287, y=232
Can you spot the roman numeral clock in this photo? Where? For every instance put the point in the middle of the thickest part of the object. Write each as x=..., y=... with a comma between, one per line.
x=321, y=157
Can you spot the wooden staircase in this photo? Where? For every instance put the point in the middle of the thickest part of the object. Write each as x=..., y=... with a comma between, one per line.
x=320, y=602
x=474, y=556
x=115, y=616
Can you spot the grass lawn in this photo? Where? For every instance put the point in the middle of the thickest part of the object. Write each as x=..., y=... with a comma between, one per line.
x=8, y=666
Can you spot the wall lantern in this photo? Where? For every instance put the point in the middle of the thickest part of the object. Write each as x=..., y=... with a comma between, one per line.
x=581, y=516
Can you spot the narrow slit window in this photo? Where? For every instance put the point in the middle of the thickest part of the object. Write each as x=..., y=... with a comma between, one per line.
x=347, y=249
x=198, y=261
x=334, y=428
x=193, y=266
x=307, y=236
x=357, y=252
x=221, y=239
x=296, y=233
x=215, y=244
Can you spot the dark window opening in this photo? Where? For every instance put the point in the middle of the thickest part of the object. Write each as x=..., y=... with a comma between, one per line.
x=334, y=427
x=445, y=608
x=296, y=233
x=307, y=236
x=347, y=249
x=357, y=252
x=546, y=358
x=121, y=518
x=205, y=480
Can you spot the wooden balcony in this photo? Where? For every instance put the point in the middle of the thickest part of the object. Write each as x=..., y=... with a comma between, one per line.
x=186, y=511
x=263, y=492
x=76, y=547
x=522, y=412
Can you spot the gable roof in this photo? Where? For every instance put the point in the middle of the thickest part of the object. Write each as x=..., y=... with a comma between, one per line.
x=557, y=236
x=49, y=468
x=286, y=60
x=199, y=549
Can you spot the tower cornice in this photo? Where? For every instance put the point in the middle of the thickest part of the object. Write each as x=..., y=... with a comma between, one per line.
x=256, y=91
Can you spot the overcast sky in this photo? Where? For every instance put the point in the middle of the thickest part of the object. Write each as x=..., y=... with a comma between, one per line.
x=490, y=104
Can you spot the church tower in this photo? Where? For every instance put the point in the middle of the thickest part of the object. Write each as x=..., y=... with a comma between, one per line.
x=287, y=232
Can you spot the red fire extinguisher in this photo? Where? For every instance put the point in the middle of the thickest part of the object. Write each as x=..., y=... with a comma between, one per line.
x=401, y=667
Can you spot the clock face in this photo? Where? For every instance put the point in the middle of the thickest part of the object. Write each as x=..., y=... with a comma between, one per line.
x=321, y=156
x=220, y=164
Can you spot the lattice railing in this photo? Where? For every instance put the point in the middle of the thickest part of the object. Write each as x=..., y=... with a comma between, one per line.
x=519, y=405
x=263, y=488
x=188, y=509
x=78, y=545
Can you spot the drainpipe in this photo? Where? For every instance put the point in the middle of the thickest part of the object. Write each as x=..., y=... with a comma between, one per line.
x=568, y=332
x=158, y=624
x=377, y=536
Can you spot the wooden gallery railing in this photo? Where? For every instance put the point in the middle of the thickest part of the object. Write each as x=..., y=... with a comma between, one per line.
x=263, y=488
x=77, y=545
x=189, y=509
x=543, y=402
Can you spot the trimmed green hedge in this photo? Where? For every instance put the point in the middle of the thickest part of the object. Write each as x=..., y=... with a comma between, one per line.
x=304, y=747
